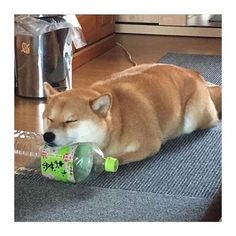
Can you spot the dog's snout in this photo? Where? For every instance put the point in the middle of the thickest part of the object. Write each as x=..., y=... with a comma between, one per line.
x=49, y=137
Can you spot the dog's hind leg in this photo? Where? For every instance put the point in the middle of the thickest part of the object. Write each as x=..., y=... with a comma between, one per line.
x=216, y=95
x=200, y=111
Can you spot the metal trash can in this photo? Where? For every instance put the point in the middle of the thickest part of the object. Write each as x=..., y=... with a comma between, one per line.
x=44, y=57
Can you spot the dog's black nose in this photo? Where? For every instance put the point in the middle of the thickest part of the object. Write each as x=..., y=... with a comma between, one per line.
x=49, y=137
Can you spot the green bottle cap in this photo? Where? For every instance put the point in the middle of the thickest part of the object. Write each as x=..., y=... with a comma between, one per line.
x=111, y=164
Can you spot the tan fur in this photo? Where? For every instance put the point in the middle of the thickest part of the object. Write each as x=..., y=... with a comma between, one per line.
x=138, y=109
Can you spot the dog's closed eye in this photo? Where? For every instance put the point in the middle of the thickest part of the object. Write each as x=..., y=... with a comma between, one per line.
x=70, y=121
x=51, y=120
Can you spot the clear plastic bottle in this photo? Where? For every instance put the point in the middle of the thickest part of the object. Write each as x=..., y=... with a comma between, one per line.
x=72, y=163
x=28, y=147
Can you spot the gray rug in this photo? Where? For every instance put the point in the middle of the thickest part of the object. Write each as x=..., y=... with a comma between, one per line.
x=177, y=184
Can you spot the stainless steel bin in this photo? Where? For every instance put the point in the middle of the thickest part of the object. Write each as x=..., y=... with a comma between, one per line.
x=47, y=57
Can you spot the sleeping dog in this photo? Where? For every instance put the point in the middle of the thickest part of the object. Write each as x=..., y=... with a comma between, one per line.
x=131, y=114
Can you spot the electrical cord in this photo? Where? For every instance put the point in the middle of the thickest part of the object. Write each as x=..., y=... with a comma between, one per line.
x=127, y=54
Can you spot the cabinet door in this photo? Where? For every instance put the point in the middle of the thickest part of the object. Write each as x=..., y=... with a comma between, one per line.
x=105, y=25
x=172, y=20
x=89, y=27
x=138, y=18
x=96, y=27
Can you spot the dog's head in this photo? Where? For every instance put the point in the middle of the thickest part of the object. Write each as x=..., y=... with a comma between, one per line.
x=76, y=115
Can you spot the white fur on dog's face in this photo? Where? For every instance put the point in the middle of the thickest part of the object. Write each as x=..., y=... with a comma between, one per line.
x=84, y=131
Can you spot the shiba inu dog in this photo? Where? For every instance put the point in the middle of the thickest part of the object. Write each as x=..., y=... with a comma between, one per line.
x=131, y=114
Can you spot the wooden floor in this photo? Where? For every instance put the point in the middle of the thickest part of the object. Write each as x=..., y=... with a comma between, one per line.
x=144, y=49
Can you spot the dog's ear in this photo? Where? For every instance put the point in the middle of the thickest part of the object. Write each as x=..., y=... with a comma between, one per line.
x=49, y=90
x=102, y=104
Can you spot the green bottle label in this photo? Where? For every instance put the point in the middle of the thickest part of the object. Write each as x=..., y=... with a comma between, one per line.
x=57, y=163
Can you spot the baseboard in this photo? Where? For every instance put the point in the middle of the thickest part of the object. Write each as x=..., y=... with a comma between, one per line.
x=88, y=53
x=168, y=30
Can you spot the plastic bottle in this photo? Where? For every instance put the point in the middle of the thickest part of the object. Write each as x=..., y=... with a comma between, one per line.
x=72, y=163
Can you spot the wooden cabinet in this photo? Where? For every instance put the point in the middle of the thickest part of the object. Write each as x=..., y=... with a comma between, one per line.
x=180, y=25
x=98, y=31
x=154, y=19
x=88, y=24
x=138, y=18
x=96, y=27
x=105, y=25
x=173, y=20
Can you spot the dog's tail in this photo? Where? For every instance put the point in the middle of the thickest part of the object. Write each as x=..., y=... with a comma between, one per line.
x=216, y=96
